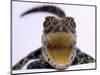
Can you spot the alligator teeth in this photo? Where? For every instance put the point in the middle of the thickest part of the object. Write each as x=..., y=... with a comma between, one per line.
x=58, y=49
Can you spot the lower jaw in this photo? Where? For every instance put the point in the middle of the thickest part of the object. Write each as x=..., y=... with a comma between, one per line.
x=57, y=59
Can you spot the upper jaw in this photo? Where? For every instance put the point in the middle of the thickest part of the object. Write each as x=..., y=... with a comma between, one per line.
x=59, y=39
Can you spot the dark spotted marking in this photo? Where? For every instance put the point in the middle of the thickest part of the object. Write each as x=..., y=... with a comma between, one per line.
x=33, y=55
x=75, y=61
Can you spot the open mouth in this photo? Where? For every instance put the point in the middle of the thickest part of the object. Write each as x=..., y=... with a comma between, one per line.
x=59, y=49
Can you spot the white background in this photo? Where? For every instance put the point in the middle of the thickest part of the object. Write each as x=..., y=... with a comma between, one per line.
x=27, y=30
x=5, y=38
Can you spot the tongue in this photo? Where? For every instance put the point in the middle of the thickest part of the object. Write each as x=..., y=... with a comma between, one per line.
x=60, y=56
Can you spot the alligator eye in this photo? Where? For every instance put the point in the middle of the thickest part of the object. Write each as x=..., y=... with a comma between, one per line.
x=46, y=23
x=48, y=29
x=73, y=24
